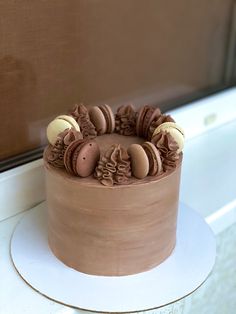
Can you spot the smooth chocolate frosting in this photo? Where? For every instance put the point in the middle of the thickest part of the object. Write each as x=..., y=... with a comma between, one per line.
x=114, y=166
x=125, y=120
x=168, y=149
x=81, y=115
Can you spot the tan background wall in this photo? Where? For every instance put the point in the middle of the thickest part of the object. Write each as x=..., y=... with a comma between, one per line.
x=56, y=53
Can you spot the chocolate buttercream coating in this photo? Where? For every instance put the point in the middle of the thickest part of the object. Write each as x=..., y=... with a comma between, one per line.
x=81, y=115
x=125, y=120
x=112, y=231
x=114, y=166
x=124, y=225
x=168, y=148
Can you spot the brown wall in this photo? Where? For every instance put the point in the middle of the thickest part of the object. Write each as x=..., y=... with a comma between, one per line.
x=56, y=53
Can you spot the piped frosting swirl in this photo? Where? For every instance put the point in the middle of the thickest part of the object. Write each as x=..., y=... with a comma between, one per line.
x=158, y=121
x=55, y=153
x=81, y=115
x=168, y=148
x=126, y=120
x=114, y=166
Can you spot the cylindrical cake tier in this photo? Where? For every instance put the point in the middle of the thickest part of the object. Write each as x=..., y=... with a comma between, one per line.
x=111, y=231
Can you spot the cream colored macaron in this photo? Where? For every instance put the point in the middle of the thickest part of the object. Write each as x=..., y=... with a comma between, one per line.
x=174, y=130
x=58, y=125
x=71, y=120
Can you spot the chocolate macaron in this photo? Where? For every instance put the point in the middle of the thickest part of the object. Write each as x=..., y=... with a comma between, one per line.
x=140, y=119
x=98, y=119
x=81, y=157
x=146, y=120
x=139, y=161
x=145, y=117
x=68, y=155
x=103, y=119
x=154, y=157
x=154, y=115
x=109, y=117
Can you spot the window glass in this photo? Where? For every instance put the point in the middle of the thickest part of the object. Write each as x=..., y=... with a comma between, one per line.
x=54, y=54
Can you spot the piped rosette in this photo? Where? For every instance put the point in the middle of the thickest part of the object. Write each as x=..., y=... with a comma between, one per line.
x=114, y=166
x=55, y=153
x=81, y=114
x=125, y=120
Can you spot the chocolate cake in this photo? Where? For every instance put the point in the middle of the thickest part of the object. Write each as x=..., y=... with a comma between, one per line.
x=112, y=187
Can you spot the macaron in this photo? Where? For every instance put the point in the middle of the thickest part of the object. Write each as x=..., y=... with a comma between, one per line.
x=146, y=120
x=58, y=125
x=68, y=155
x=109, y=117
x=71, y=120
x=156, y=121
x=81, y=157
x=98, y=119
x=139, y=161
x=154, y=158
x=155, y=114
x=140, y=119
x=174, y=130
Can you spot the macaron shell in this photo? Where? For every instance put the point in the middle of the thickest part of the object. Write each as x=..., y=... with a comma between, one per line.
x=85, y=158
x=146, y=120
x=71, y=120
x=178, y=137
x=167, y=125
x=154, y=157
x=139, y=161
x=139, y=122
x=155, y=114
x=68, y=155
x=109, y=116
x=97, y=118
x=157, y=121
x=55, y=127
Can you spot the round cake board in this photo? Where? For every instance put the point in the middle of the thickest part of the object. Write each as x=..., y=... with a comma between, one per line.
x=179, y=275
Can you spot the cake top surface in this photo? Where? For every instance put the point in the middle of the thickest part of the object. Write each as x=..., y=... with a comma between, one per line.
x=97, y=147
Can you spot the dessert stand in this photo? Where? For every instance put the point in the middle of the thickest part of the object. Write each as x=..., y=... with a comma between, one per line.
x=179, y=275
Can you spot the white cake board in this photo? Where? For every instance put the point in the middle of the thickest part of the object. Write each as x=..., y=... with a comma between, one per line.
x=183, y=272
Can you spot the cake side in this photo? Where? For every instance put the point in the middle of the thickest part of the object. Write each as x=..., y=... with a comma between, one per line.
x=112, y=231
x=112, y=183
